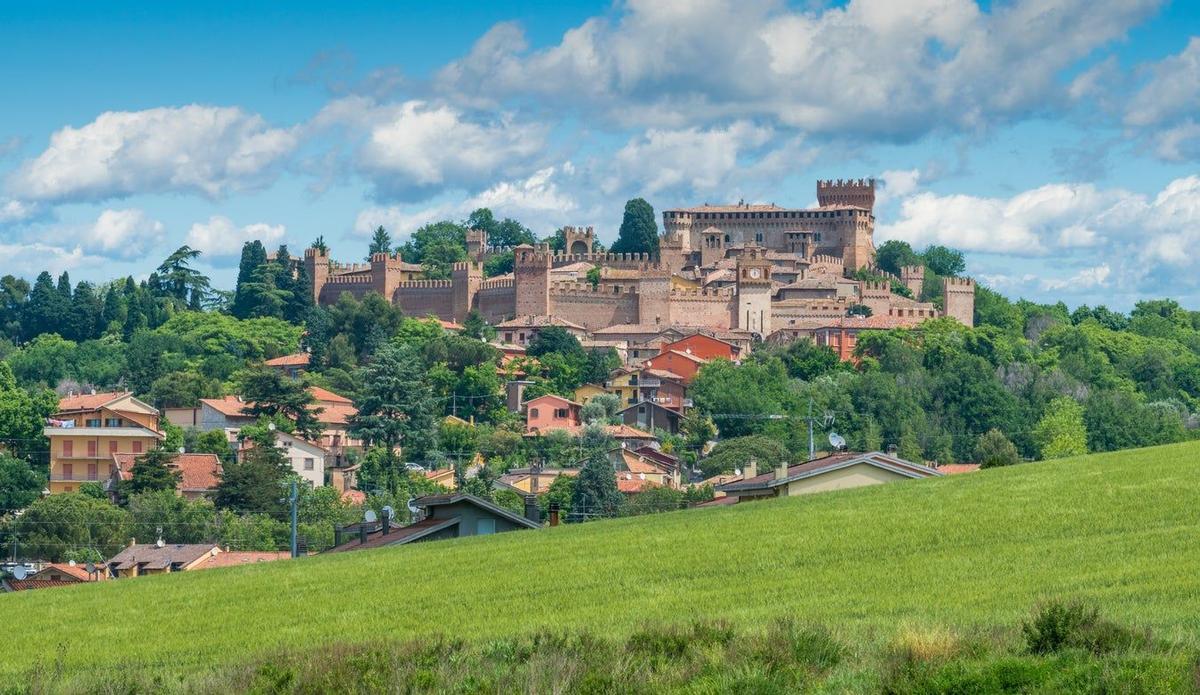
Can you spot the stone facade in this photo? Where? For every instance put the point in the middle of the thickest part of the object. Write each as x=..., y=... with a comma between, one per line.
x=755, y=269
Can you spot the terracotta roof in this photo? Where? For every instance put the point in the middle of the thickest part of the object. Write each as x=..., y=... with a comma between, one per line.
x=77, y=571
x=235, y=558
x=879, y=322
x=553, y=396
x=538, y=321
x=229, y=406
x=198, y=472
x=627, y=432
x=635, y=484
x=719, y=502
x=30, y=584
x=688, y=355
x=450, y=325
x=150, y=556
x=664, y=374
x=89, y=401
x=354, y=496
x=665, y=460
x=299, y=359
x=336, y=414
x=324, y=396
x=637, y=463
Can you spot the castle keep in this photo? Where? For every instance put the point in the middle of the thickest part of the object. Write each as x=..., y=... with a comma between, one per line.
x=755, y=269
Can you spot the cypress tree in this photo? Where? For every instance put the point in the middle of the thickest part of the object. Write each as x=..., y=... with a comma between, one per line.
x=253, y=256
x=639, y=230
x=595, y=494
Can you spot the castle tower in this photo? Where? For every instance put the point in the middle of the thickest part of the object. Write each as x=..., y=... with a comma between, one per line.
x=712, y=246
x=578, y=241
x=860, y=193
x=913, y=277
x=753, y=309
x=959, y=299
x=477, y=243
x=654, y=298
x=671, y=252
x=466, y=277
x=531, y=273
x=380, y=282
x=316, y=262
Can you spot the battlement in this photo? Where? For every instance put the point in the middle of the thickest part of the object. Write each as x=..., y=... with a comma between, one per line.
x=358, y=279
x=500, y=283
x=315, y=253
x=465, y=266
x=586, y=231
x=857, y=192
x=572, y=287
x=874, y=286
x=336, y=267
x=912, y=271
x=641, y=261
x=424, y=284
x=722, y=293
x=959, y=284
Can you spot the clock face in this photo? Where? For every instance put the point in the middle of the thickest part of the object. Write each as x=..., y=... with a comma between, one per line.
x=755, y=273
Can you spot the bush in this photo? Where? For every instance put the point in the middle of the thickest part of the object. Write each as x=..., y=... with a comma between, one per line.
x=1059, y=625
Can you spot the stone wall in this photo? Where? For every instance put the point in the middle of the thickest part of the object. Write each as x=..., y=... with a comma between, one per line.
x=424, y=297
x=593, y=308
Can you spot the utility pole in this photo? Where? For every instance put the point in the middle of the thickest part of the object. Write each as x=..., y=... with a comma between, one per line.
x=812, y=451
x=294, y=499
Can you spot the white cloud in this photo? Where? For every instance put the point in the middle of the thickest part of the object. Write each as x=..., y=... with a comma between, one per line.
x=121, y=234
x=27, y=260
x=221, y=238
x=873, y=67
x=538, y=201
x=16, y=210
x=692, y=159
x=896, y=183
x=1139, y=243
x=1164, y=109
x=415, y=147
x=197, y=149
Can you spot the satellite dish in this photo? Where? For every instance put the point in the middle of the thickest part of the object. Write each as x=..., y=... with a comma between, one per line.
x=160, y=543
x=737, y=471
x=629, y=476
x=641, y=476
x=412, y=506
x=70, y=563
x=20, y=572
x=837, y=441
x=369, y=516
x=182, y=450
x=391, y=513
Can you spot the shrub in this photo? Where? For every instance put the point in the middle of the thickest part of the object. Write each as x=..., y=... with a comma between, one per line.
x=1058, y=625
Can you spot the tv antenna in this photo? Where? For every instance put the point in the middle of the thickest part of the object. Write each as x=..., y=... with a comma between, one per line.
x=413, y=509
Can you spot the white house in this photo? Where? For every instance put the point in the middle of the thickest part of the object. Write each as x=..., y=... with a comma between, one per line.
x=306, y=458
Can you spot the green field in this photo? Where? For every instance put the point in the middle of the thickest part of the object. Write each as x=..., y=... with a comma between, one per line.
x=1121, y=530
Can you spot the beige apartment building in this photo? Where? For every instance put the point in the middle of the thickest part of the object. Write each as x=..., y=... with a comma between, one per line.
x=89, y=428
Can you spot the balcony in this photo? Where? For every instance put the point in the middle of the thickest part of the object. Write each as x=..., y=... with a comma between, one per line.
x=650, y=382
x=82, y=477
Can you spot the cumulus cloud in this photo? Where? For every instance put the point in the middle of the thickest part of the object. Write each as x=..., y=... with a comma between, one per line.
x=694, y=159
x=16, y=210
x=121, y=234
x=1163, y=111
x=29, y=259
x=1137, y=241
x=220, y=238
x=538, y=201
x=896, y=183
x=872, y=67
x=196, y=149
x=413, y=148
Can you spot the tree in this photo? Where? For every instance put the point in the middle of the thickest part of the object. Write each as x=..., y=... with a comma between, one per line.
x=893, y=255
x=735, y=453
x=994, y=449
x=601, y=409
x=639, y=229
x=176, y=518
x=1061, y=431
x=320, y=245
x=20, y=485
x=909, y=448
x=180, y=281
x=944, y=261
x=213, y=442
x=71, y=526
x=268, y=392
x=254, y=256
x=553, y=339
x=759, y=390
x=595, y=495
x=381, y=242
x=23, y=416
x=47, y=309
x=395, y=405
x=255, y=484
x=806, y=360
x=152, y=472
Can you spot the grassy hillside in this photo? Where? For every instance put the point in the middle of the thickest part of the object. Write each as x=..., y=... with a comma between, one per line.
x=1121, y=529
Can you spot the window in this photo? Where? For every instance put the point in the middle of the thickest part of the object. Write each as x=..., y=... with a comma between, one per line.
x=68, y=471
x=93, y=472
x=309, y=464
x=137, y=447
x=508, y=337
x=68, y=448
x=112, y=447
x=112, y=422
x=92, y=422
x=485, y=527
x=533, y=412
x=560, y=413
x=91, y=449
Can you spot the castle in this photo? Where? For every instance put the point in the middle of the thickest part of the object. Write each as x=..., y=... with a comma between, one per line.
x=758, y=270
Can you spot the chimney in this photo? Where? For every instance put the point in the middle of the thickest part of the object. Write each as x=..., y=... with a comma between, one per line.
x=362, y=534
x=554, y=513
x=387, y=522
x=751, y=469
x=781, y=470
x=531, y=509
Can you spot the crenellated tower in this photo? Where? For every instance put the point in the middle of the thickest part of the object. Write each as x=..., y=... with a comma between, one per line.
x=316, y=263
x=531, y=273
x=959, y=299
x=753, y=309
x=856, y=192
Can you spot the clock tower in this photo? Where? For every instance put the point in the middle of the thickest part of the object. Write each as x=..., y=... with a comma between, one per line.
x=753, y=311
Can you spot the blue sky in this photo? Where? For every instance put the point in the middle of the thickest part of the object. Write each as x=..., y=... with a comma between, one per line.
x=1056, y=141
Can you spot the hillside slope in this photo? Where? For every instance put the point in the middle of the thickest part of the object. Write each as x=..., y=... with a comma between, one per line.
x=1122, y=529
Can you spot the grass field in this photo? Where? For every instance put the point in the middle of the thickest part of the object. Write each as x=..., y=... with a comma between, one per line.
x=1121, y=530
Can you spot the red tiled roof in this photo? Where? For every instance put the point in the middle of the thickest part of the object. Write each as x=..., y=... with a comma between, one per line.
x=627, y=432
x=553, y=396
x=336, y=414
x=229, y=406
x=29, y=584
x=719, y=502
x=89, y=401
x=234, y=558
x=955, y=468
x=538, y=321
x=299, y=359
x=324, y=396
x=354, y=496
x=634, y=485
x=880, y=322
x=450, y=325
x=76, y=571
x=198, y=472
